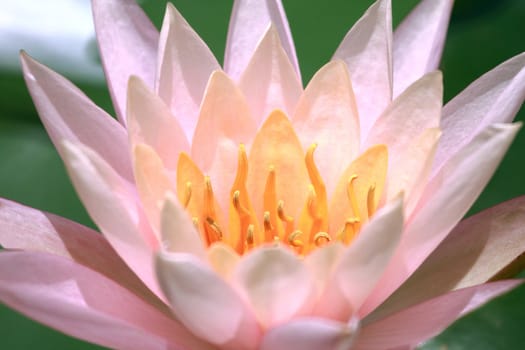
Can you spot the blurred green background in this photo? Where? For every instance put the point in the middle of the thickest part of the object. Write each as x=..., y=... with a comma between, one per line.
x=482, y=34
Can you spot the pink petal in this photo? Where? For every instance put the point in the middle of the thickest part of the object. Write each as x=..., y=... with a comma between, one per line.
x=152, y=183
x=269, y=81
x=495, y=97
x=367, y=51
x=224, y=123
x=321, y=263
x=205, y=303
x=418, y=42
x=276, y=283
x=33, y=230
x=249, y=21
x=363, y=263
x=445, y=200
x=177, y=229
x=80, y=302
x=410, y=170
x=327, y=115
x=127, y=42
x=113, y=206
x=418, y=323
x=69, y=115
x=150, y=122
x=311, y=334
x=418, y=108
x=478, y=248
x=185, y=64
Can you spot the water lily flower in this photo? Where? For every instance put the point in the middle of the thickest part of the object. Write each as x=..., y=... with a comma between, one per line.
x=239, y=210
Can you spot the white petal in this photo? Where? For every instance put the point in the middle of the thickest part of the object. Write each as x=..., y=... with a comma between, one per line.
x=203, y=302
x=277, y=284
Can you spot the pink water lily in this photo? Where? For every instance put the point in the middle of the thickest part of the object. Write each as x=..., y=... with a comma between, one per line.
x=239, y=210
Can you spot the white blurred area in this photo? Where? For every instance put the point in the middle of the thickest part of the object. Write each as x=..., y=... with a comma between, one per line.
x=58, y=33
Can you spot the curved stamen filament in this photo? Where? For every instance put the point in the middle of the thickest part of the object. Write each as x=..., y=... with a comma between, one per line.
x=352, y=197
x=187, y=194
x=370, y=203
x=293, y=239
x=322, y=238
x=211, y=228
x=288, y=220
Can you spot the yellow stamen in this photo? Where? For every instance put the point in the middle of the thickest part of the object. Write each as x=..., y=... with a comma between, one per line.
x=349, y=231
x=293, y=239
x=187, y=194
x=370, y=201
x=352, y=197
x=288, y=220
x=322, y=238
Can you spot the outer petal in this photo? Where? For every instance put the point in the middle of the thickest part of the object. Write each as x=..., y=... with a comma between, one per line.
x=277, y=284
x=185, y=64
x=248, y=22
x=322, y=262
x=478, y=248
x=128, y=46
x=418, y=42
x=224, y=123
x=269, y=81
x=150, y=122
x=367, y=51
x=414, y=111
x=80, y=302
x=69, y=115
x=327, y=115
x=445, y=200
x=362, y=264
x=33, y=230
x=412, y=326
x=311, y=334
x=495, y=97
x=205, y=303
x=113, y=206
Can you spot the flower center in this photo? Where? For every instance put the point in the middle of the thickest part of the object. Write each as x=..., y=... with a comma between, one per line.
x=246, y=230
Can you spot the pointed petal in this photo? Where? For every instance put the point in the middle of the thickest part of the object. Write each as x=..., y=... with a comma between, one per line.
x=418, y=42
x=418, y=108
x=367, y=51
x=69, y=115
x=276, y=283
x=112, y=204
x=82, y=303
x=362, y=264
x=311, y=334
x=276, y=144
x=150, y=122
x=444, y=202
x=224, y=123
x=177, y=230
x=24, y=228
x=127, y=42
x=495, y=97
x=184, y=67
x=204, y=302
x=478, y=249
x=406, y=327
x=152, y=183
x=409, y=170
x=249, y=21
x=269, y=81
x=327, y=115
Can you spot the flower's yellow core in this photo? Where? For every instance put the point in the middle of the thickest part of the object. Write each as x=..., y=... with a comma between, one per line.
x=353, y=202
